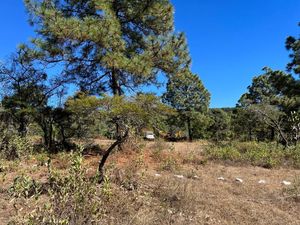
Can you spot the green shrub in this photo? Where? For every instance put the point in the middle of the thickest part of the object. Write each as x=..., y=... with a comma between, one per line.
x=293, y=156
x=266, y=155
x=73, y=198
x=42, y=159
x=24, y=186
x=14, y=147
x=223, y=153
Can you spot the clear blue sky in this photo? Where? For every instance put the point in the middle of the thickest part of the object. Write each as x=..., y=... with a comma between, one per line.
x=230, y=40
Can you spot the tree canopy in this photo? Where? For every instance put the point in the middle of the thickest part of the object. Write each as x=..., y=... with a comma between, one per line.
x=108, y=45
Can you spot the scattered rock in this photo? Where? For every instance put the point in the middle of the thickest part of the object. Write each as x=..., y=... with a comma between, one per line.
x=239, y=180
x=179, y=176
x=157, y=175
x=286, y=182
x=262, y=182
x=221, y=178
x=170, y=211
x=195, y=177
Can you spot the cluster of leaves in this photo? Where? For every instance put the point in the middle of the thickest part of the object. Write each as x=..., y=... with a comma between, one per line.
x=26, y=187
x=13, y=146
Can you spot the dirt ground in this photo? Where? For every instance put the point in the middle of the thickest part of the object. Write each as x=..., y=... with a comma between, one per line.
x=186, y=191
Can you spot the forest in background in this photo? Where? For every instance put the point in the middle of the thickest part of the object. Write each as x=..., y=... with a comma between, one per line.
x=109, y=51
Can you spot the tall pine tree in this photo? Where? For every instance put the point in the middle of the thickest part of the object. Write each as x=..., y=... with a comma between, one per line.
x=108, y=45
x=187, y=94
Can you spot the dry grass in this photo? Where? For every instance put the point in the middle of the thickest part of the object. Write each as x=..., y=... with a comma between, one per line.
x=143, y=193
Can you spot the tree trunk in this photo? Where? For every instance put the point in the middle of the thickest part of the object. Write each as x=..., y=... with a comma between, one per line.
x=189, y=128
x=63, y=136
x=46, y=140
x=115, y=86
x=22, y=130
x=272, y=134
x=250, y=134
x=119, y=141
x=116, y=89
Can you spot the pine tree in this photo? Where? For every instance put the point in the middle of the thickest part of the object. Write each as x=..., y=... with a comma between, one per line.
x=187, y=94
x=293, y=44
x=108, y=45
x=23, y=89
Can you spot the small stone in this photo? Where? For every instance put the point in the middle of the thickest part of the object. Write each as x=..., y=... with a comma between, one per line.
x=239, y=180
x=179, y=176
x=158, y=175
x=287, y=183
x=262, y=182
x=221, y=178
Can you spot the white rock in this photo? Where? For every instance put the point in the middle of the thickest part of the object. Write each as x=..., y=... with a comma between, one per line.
x=239, y=180
x=158, y=175
x=286, y=182
x=195, y=177
x=262, y=182
x=221, y=178
x=179, y=176
x=170, y=211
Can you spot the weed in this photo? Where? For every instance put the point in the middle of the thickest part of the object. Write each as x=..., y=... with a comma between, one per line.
x=14, y=147
x=293, y=192
x=24, y=186
x=267, y=155
x=106, y=187
x=158, y=147
x=72, y=198
x=194, y=158
x=42, y=159
x=169, y=164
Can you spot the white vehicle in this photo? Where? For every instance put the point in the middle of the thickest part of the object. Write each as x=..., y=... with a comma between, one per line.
x=149, y=135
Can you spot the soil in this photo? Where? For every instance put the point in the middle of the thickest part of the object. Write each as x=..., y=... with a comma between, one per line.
x=196, y=195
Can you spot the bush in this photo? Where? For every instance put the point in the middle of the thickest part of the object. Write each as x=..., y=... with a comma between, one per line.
x=223, y=153
x=24, y=186
x=14, y=147
x=293, y=156
x=266, y=155
x=73, y=198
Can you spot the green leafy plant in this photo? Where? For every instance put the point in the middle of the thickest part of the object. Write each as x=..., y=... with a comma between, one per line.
x=73, y=197
x=25, y=186
x=266, y=155
x=14, y=147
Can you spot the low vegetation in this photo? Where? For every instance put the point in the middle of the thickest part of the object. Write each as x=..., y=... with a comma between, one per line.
x=137, y=189
x=267, y=155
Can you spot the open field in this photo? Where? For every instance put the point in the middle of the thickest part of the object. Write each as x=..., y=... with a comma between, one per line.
x=164, y=183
